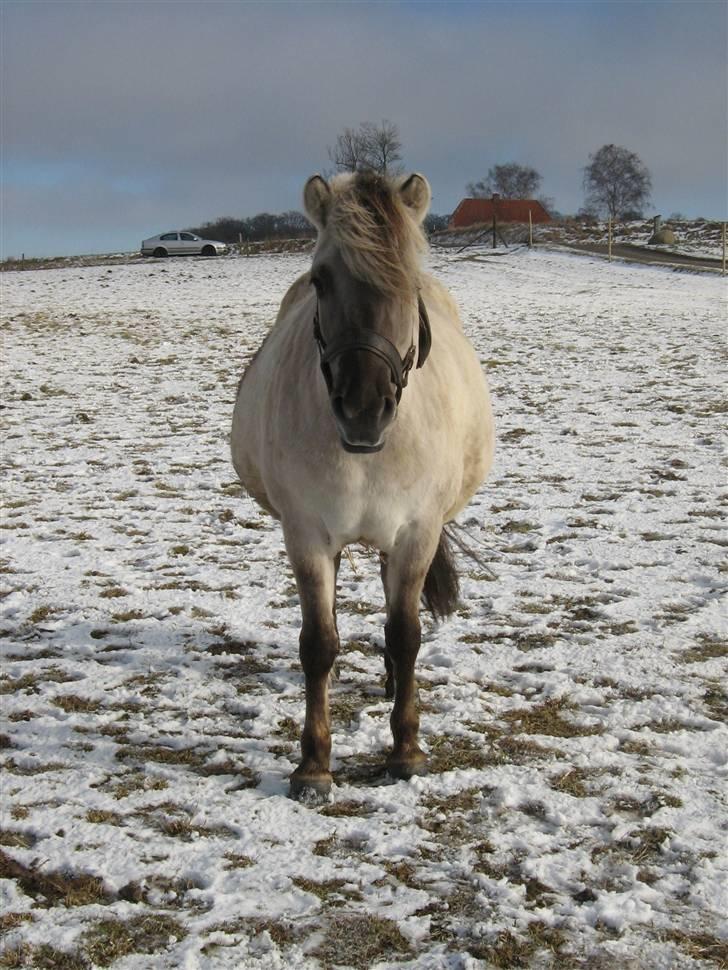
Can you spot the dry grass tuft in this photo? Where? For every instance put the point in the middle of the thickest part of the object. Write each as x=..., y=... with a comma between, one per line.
x=359, y=941
x=701, y=946
x=42, y=957
x=73, y=704
x=547, y=719
x=10, y=921
x=109, y=940
x=54, y=888
x=333, y=892
x=16, y=839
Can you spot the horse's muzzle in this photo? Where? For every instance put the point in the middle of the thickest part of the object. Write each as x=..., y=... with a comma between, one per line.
x=362, y=428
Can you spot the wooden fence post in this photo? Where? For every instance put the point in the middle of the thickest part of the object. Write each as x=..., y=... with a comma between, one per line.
x=530, y=230
x=610, y=239
x=724, y=232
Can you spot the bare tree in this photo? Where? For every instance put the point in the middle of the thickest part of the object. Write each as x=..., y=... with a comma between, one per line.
x=511, y=181
x=616, y=181
x=382, y=147
x=368, y=147
x=349, y=152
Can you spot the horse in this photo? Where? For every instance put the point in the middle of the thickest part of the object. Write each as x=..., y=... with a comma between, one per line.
x=365, y=417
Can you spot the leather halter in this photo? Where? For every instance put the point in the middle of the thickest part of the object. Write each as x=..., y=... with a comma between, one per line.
x=362, y=338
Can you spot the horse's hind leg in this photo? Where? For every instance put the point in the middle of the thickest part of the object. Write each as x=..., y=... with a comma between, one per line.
x=319, y=644
x=404, y=578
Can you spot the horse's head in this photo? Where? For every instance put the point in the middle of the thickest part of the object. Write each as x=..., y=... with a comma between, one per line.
x=370, y=324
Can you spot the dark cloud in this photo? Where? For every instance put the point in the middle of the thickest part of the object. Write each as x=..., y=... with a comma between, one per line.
x=122, y=118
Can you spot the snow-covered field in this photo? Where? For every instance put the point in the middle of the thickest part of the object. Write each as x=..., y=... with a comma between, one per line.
x=574, y=709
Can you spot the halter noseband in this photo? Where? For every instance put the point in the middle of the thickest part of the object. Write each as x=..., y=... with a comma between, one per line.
x=361, y=338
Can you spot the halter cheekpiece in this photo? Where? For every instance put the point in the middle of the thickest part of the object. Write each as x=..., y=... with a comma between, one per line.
x=361, y=338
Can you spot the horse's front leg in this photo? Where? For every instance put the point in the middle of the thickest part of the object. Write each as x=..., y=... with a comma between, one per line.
x=404, y=578
x=315, y=574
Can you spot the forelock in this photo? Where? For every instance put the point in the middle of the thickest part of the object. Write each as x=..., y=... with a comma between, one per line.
x=380, y=241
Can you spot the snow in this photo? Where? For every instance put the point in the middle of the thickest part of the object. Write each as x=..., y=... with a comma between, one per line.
x=574, y=708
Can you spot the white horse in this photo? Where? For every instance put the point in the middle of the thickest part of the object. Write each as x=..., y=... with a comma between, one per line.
x=365, y=417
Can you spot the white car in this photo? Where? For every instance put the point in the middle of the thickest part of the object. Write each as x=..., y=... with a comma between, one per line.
x=181, y=244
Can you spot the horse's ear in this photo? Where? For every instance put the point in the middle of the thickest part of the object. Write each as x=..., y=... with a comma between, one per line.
x=317, y=200
x=416, y=195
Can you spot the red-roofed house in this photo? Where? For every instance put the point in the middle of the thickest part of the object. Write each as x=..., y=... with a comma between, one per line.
x=472, y=212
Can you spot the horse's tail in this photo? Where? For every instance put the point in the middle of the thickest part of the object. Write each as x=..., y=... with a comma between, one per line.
x=442, y=587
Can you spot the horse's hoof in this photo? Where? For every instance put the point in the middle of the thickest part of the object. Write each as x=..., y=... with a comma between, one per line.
x=310, y=789
x=406, y=769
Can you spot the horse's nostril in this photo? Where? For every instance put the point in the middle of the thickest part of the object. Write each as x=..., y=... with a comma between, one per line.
x=337, y=406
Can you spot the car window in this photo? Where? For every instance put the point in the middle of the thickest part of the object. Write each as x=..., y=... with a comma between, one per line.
x=168, y=235
x=188, y=236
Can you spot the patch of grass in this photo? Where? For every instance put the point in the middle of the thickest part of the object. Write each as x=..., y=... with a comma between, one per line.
x=288, y=728
x=282, y=932
x=573, y=782
x=125, y=616
x=346, y=706
x=327, y=846
x=700, y=946
x=43, y=957
x=54, y=888
x=73, y=704
x=100, y=816
x=158, y=754
x=547, y=719
x=463, y=801
x=534, y=640
x=10, y=921
x=708, y=648
x=174, y=821
x=347, y=809
x=109, y=940
x=41, y=613
x=505, y=949
x=639, y=847
x=646, y=844
x=330, y=891
x=136, y=781
x=359, y=941
x=112, y=592
x=31, y=682
x=637, y=746
x=32, y=768
x=453, y=917
x=16, y=839
x=356, y=608
x=236, y=860
x=25, y=715
x=715, y=699
x=172, y=889
x=448, y=753
x=181, y=550
x=518, y=526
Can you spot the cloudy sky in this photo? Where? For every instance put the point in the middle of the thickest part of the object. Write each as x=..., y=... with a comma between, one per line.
x=121, y=118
